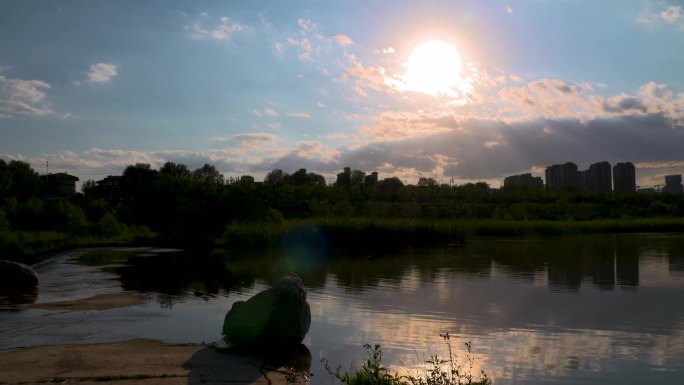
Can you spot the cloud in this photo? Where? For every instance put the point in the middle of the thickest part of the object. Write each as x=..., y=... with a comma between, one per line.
x=342, y=40
x=301, y=115
x=306, y=25
x=27, y=90
x=624, y=103
x=102, y=73
x=309, y=41
x=672, y=14
x=306, y=49
x=18, y=96
x=265, y=111
x=549, y=97
x=492, y=149
x=254, y=140
x=366, y=77
x=224, y=30
x=11, y=107
x=509, y=10
x=654, y=14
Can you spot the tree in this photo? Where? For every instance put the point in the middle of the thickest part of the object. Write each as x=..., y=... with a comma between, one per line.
x=276, y=176
x=178, y=171
x=299, y=177
x=18, y=179
x=427, y=182
x=88, y=187
x=388, y=187
x=208, y=173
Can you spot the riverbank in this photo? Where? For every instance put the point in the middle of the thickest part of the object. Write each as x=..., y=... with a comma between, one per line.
x=139, y=361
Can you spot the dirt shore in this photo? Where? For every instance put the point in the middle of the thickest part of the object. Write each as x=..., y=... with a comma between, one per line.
x=139, y=361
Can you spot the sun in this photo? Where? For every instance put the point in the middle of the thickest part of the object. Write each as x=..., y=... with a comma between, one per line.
x=434, y=68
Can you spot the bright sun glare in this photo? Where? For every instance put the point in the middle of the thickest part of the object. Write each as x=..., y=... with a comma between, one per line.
x=434, y=68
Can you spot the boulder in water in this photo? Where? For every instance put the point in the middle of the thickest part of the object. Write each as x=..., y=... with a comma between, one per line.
x=15, y=276
x=276, y=319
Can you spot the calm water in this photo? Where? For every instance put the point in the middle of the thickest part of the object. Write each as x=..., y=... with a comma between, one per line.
x=596, y=309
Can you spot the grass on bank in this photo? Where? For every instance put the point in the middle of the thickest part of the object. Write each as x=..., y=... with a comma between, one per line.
x=346, y=232
x=28, y=246
x=439, y=371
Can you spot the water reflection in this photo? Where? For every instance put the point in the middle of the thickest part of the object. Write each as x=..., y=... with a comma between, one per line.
x=584, y=309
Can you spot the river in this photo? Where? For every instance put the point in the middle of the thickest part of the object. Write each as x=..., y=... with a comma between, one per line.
x=600, y=309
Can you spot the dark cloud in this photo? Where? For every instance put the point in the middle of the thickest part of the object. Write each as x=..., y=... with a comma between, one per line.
x=493, y=149
x=623, y=103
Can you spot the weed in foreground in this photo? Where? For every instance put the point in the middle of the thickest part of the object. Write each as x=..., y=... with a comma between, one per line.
x=441, y=371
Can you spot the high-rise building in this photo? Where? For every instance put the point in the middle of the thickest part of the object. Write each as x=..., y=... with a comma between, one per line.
x=624, y=178
x=523, y=181
x=597, y=178
x=562, y=177
x=673, y=184
x=344, y=178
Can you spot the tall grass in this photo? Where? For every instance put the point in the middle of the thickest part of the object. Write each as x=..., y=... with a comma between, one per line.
x=372, y=232
x=447, y=370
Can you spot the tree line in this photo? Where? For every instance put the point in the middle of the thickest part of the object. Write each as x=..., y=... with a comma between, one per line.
x=194, y=206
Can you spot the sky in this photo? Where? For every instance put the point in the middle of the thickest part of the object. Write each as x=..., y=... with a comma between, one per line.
x=460, y=91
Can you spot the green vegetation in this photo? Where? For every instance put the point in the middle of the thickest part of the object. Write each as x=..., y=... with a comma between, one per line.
x=440, y=371
x=368, y=233
x=200, y=210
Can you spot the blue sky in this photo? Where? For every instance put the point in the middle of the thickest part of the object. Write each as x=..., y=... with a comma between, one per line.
x=250, y=86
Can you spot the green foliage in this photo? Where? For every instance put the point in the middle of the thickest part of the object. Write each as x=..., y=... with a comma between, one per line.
x=440, y=371
x=108, y=226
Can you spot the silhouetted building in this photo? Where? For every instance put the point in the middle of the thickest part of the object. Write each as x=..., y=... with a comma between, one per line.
x=624, y=178
x=344, y=178
x=526, y=181
x=597, y=178
x=562, y=177
x=60, y=184
x=109, y=188
x=371, y=180
x=673, y=184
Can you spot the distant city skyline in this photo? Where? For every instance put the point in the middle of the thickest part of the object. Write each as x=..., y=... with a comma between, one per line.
x=453, y=90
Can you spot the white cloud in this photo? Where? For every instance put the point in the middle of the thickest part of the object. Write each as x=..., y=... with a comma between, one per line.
x=266, y=111
x=10, y=107
x=27, y=90
x=301, y=115
x=343, y=40
x=221, y=31
x=509, y=9
x=306, y=25
x=18, y=96
x=654, y=13
x=102, y=72
x=306, y=49
x=672, y=14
